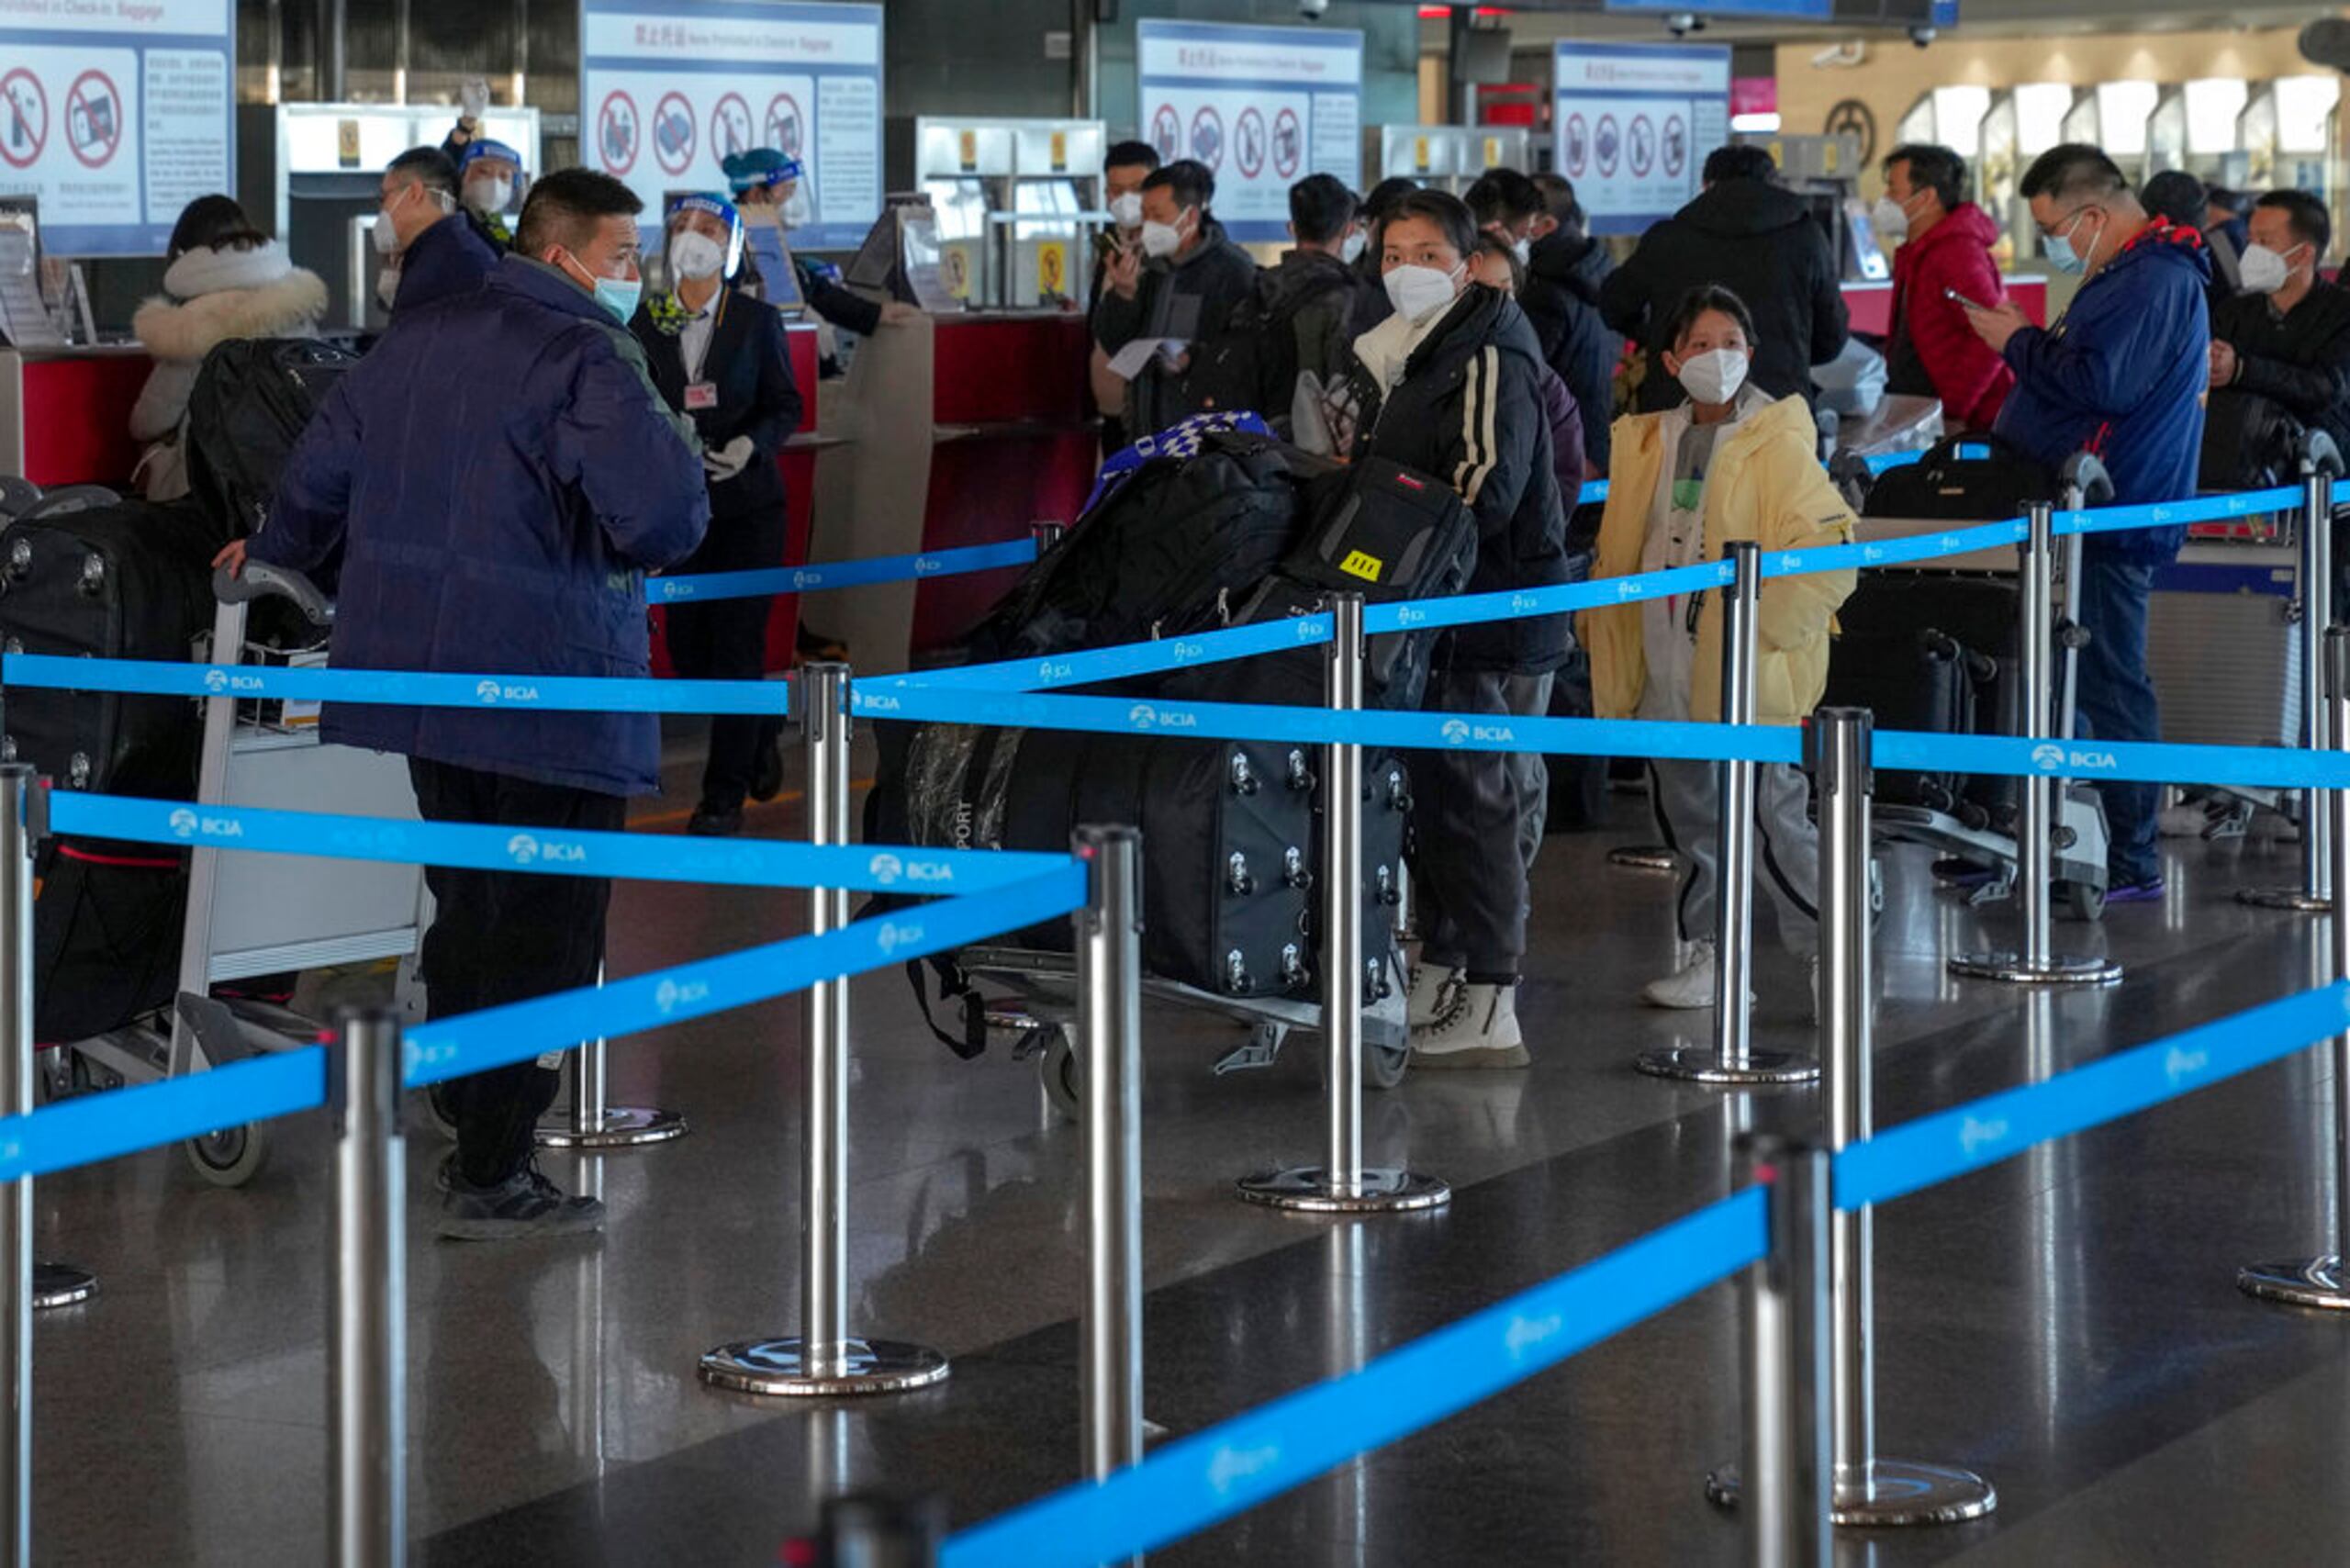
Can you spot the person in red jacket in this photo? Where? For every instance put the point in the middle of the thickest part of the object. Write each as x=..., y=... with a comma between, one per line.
x=1945, y=249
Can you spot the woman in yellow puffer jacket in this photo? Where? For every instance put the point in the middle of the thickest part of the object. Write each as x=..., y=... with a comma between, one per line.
x=1730, y=465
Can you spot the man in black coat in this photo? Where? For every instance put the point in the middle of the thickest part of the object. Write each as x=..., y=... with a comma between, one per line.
x=1572, y=268
x=720, y=357
x=2286, y=338
x=1755, y=238
x=1182, y=287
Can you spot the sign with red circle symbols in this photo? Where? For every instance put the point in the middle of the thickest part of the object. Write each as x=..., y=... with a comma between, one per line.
x=783, y=125
x=24, y=119
x=1640, y=146
x=617, y=132
x=1167, y=132
x=730, y=126
x=1578, y=146
x=1607, y=146
x=673, y=133
x=1288, y=144
x=1249, y=143
x=1676, y=145
x=93, y=116
x=1207, y=137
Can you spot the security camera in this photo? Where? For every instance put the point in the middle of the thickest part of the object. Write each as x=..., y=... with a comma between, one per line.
x=1681, y=24
x=1314, y=10
x=1921, y=36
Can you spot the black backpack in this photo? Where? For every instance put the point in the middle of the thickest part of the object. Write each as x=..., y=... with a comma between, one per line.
x=1252, y=364
x=251, y=401
x=1967, y=479
x=2250, y=442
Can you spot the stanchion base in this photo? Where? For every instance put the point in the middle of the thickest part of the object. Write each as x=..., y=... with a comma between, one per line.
x=1699, y=1064
x=781, y=1367
x=2310, y=1281
x=1642, y=857
x=625, y=1127
x=1900, y=1492
x=2014, y=968
x=1307, y=1190
x=2295, y=900
x=62, y=1284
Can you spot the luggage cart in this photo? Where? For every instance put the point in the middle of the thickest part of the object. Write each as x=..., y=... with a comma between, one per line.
x=2079, y=860
x=249, y=915
x=1039, y=1010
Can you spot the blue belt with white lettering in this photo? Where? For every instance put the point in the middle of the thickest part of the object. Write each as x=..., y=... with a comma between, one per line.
x=398, y=688
x=710, y=587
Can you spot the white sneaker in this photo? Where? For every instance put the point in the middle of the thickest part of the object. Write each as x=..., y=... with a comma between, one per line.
x=1689, y=987
x=1431, y=988
x=1478, y=1029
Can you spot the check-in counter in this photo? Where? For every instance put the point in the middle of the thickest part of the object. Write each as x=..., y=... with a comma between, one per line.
x=65, y=414
x=1871, y=304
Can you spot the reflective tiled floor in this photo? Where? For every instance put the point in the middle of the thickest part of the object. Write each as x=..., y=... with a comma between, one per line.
x=2065, y=1323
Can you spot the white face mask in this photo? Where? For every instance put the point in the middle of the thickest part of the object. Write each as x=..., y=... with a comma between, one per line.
x=387, y=287
x=2263, y=271
x=1714, y=376
x=1419, y=291
x=1127, y=209
x=1523, y=248
x=1161, y=239
x=487, y=197
x=1890, y=220
x=387, y=238
x=1350, y=248
x=695, y=255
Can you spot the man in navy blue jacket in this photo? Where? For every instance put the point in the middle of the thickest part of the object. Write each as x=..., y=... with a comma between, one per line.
x=430, y=249
x=499, y=474
x=2122, y=376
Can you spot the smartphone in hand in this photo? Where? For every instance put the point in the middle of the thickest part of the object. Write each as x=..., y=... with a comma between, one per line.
x=1957, y=298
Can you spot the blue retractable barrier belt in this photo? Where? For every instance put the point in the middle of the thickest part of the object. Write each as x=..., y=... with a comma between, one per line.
x=661, y=857
x=1319, y=726
x=1130, y=659
x=1192, y=1482
x=707, y=586
x=405, y=688
x=90, y=1127
x=1478, y=609
x=2177, y=514
x=1935, y=1149
x=2143, y=762
x=497, y=1035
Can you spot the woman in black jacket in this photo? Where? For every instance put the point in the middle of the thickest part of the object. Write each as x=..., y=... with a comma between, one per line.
x=720, y=357
x=1452, y=386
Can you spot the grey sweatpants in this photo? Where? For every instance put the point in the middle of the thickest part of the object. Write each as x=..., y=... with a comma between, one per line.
x=1477, y=818
x=1787, y=845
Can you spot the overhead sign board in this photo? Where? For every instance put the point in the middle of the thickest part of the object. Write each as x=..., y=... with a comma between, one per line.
x=1631, y=126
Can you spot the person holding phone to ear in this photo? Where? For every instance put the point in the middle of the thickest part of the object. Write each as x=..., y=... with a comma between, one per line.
x=1942, y=269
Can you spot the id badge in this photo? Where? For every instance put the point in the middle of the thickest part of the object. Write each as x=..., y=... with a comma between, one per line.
x=701, y=394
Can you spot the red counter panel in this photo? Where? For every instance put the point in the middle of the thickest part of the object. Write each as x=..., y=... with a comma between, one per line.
x=77, y=418
x=996, y=368
x=1871, y=304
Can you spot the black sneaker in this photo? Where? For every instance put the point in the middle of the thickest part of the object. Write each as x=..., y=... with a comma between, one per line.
x=766, y=773
x=716, y=822
x=526, y=1204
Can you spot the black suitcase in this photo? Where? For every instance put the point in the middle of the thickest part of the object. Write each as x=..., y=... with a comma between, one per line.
x=1967, y=479
x=1888, y=659
x=130, y=581
x=107, y=930
x=251, y=400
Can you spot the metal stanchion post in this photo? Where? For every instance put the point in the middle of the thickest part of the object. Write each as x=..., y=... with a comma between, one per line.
x=824, y=1360
x=16, y=1202
x=2324, y=1281
x=1784, y=1335
x=588, y=1123
x=1047, y=533
x=2035, y=962
x=1732, y=1059
x=367, y=1335
x=1109, y=989
x=1341, y=1184
x=2314, y=896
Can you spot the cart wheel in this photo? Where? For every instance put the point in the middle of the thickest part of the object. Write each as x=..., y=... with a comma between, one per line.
x=231, y=1157
x=1057, y=1069
x=1383, y=1065
x=2084, y=901
x=436, y=1111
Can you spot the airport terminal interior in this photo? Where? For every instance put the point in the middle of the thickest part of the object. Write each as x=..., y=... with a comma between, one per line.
x=850, y=448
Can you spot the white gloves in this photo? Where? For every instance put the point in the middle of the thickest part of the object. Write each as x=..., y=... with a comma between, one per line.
x=723, y=463
x=473, y=98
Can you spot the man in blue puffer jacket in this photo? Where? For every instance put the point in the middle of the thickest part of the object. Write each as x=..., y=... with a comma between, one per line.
x=2122, y=376
x=499, y=474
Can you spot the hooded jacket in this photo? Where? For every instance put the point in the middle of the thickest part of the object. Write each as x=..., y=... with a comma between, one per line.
x=450, y=257
x=2122, y=374
x=1760, y=243
x=1766, y=485
x=499, y=524
x=1467, y=408
x=1934, y=351
x=212, y=297
x=1190, y=297
x=1561, y=299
